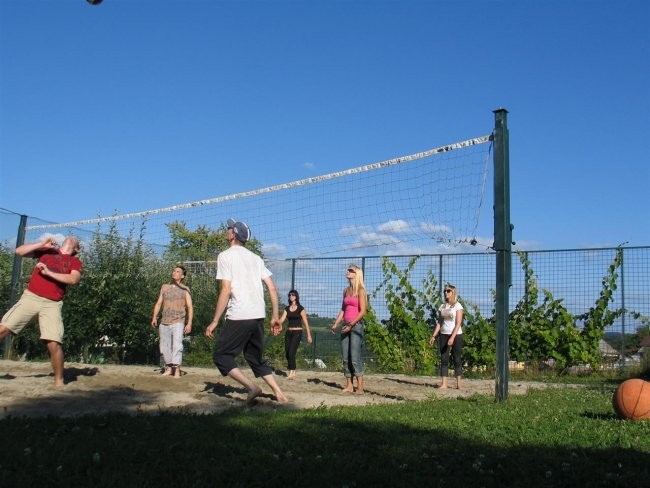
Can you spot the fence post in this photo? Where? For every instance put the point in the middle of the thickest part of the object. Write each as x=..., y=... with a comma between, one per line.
x=622, y=307
x=503, y=248
x=15, y=278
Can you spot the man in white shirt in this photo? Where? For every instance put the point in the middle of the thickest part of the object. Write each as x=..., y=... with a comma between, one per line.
x=242, y=298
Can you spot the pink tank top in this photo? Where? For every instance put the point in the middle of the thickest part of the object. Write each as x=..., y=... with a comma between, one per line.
x=350, y=308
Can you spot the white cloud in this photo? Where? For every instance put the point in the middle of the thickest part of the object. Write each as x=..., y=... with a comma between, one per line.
x=373, y=239
x=353, y=230
x=430, y=228
x=273, y=250
x=394, y=226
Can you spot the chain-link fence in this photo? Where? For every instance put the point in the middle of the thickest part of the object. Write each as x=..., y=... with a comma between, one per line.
x=573, y=276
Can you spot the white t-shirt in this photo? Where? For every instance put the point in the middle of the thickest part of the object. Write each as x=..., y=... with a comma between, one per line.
x=448, y=315
x=245, y=271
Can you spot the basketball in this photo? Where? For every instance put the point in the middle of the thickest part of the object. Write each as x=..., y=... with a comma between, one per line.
x=632, y=400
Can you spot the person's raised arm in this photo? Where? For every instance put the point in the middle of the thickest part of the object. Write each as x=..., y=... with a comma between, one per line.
x=27, y=250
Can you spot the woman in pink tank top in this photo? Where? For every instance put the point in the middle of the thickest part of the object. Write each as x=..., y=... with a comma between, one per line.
x=351, y=314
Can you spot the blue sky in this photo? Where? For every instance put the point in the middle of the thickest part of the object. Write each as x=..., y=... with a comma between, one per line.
x=136, y=105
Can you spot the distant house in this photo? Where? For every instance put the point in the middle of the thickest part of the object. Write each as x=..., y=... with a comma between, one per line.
x=644, y=347
x=607, y=351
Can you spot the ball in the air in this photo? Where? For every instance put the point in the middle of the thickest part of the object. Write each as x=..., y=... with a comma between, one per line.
x=94, y=2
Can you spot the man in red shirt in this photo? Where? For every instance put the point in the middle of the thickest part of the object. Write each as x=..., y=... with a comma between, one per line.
x=56, y=269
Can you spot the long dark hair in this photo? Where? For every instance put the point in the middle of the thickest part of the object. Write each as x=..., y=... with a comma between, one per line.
x=294, y=292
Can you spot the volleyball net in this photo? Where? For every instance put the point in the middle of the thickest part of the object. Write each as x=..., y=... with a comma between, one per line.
x=407, y=205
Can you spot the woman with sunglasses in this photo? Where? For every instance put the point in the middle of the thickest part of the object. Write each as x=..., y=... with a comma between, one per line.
x=449, y=327
x=351, y=314
x=297, y=316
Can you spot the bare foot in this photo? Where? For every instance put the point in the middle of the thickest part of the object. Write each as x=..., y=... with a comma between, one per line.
x=58, y=384
x=443, y=387
x=177, y=373
x=346, y=390
x=168, y=371
x=280, y=398
x=359, y=392
x=252, y=395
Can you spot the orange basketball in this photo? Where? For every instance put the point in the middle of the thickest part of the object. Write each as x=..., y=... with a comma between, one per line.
x=632, y=399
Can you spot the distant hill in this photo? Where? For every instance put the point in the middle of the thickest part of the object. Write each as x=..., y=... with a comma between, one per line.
x=320, y=322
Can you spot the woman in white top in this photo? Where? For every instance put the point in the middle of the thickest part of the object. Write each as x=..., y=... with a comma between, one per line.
x=449, y=327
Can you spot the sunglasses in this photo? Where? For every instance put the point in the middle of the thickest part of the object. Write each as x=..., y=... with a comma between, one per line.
x=350, y=270
x=448, y=291
x=292, y=295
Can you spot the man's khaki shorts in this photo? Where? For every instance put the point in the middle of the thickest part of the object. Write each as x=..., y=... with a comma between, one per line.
x=31, y=306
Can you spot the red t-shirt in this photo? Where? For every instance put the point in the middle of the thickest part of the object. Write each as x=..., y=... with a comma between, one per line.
x=46, y=287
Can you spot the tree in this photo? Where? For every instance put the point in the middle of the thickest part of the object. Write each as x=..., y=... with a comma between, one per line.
x=110, y=308
x=6, y=267
x=401, y=342
x=201, y=244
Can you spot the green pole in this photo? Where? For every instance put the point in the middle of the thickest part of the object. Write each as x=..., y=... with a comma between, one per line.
x=622, y=254
x=503, y=248
x=15, y=276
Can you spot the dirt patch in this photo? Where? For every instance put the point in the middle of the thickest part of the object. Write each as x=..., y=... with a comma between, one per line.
x=26, y=389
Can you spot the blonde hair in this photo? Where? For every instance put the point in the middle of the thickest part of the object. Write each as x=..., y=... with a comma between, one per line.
x=454, y=294
x=356, y=283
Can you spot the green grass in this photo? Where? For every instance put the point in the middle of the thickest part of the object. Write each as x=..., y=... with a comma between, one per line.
x=565, y=436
